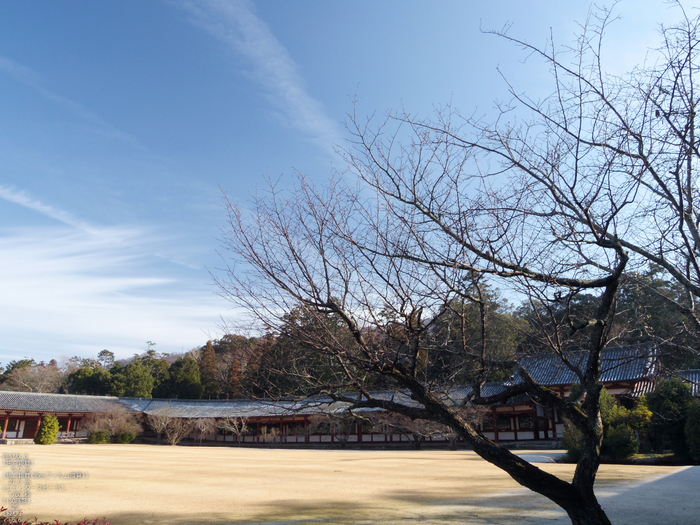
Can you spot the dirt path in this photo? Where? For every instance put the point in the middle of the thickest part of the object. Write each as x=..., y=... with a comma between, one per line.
x=142, y=484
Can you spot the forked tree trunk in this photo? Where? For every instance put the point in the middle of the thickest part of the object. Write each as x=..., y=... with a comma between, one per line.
x=587, y=512
x=577, y=498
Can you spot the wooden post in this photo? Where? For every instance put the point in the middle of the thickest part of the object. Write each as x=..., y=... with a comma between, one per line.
x=4, y=428
x=36, y=432
x=536, y=423
x=495, y=426
x=70, y=416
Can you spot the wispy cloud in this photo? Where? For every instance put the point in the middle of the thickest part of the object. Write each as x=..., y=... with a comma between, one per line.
x=74, y=288
x=34, y=80
x=74, y=292
x=21, y=198
x=236, y=24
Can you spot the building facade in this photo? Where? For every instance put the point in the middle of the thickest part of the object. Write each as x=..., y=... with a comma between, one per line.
x=627, y=373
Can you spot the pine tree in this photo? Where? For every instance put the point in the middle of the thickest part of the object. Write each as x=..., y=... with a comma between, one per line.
x=208, y=372
x=48, y=431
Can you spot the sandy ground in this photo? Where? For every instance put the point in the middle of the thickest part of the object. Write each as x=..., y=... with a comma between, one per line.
x=145, y=484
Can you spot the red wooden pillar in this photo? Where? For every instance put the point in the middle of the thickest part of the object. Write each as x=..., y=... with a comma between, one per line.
x=70, y=418
x=41, y=416
x=536, y=423
x=4, y=428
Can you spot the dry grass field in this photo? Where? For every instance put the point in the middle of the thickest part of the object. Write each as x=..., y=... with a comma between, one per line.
x=142, y=484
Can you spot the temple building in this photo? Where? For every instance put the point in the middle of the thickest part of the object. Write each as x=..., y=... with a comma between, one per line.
x=627, y=373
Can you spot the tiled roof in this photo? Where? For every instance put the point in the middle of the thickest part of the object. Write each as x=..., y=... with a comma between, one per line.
x=458, y=394
x=34, y=402
x=692, y=377
x=630, y=363
x=618, y=364
x=193, y=408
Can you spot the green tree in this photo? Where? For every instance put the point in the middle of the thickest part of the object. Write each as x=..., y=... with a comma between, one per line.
x=653, y=308
x=185, y=380
x=301, y=349
x=16, y=364
x=133, y=380
x=692, y=430
x=89, y=381
x=208, y=372
x=466, y=329
x=669, y=404
x=106, y=359
x=48, y=431
x=620, y=428
x=158, y=367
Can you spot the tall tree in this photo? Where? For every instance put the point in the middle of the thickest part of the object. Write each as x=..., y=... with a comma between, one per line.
x=599, y=181
x=106, y=359
x=208, y=371
x=87, y=380
x=158, y=367
x=185, y=380
x=133, y=380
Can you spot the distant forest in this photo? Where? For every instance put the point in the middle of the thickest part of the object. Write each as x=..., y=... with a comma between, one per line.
x=279, y=364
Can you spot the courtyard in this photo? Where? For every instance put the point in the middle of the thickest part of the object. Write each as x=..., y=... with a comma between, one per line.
x=145, y=484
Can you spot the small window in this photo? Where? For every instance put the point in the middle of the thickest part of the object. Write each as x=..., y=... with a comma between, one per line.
x=504, y=423
x=296, y=429
x=322, y=427
x=526, y=423
x=488, y=423
x=367, y=426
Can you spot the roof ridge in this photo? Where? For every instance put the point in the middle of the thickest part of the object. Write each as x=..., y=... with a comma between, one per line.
x=81, y=396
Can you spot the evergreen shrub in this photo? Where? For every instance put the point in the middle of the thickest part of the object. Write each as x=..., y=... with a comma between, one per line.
x=98, y=436
x=620, y=442
x=124, y=437
x=48, y=431
x=692, y=430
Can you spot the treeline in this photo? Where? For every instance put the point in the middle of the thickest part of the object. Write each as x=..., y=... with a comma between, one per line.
x=299, y=357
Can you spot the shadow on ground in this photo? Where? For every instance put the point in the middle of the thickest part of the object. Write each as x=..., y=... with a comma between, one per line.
x=664, y=499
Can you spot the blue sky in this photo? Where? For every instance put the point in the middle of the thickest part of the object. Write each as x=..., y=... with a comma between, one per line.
x=121, y=120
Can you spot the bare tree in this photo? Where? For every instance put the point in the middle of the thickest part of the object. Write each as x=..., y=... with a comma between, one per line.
x=238, y=426
x=416, y=431
x=340, y=425
x=174, y=428
x=116, y=421
x=34, y=378
x=159, y=422
x=177, y=429
x=204, y=427
x=600, y=180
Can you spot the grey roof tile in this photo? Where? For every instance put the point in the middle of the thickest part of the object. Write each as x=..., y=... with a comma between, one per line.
x=618, y=364
x=35, y=402
x=630, y=363
x=692, y=377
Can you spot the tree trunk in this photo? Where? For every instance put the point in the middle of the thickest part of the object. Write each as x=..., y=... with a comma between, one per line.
x=577, y=498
